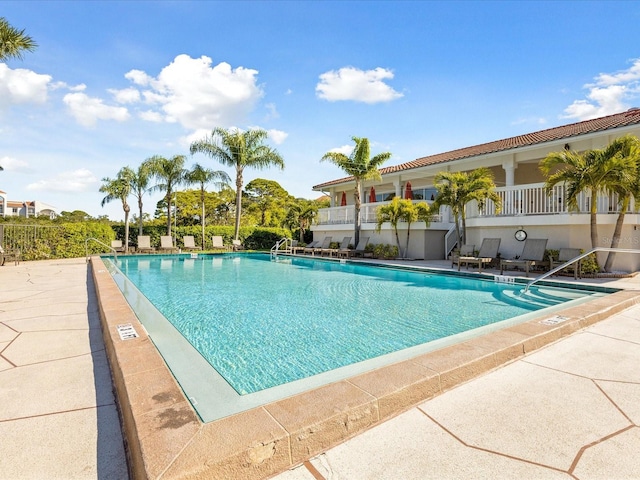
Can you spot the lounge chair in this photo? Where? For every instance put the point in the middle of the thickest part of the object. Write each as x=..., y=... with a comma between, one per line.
x=236, y=245
x=344, y=246
x=465, y=251
x=9, y=254
x=144, y=244
x=310, y=247
x=117, y=245
x=326, y=243
x=487, y=254
x=189, y=243
x=359, y=251
x=532, y=253
x=217, y=243
x=564, y=255
x=166, y=244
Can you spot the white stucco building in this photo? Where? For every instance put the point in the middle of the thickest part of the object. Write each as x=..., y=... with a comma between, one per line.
x=514, y=163
x=31, y=208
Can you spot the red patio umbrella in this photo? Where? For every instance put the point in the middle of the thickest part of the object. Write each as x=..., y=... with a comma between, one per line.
x=372, y=195
x=343, y=202
x=408, y=194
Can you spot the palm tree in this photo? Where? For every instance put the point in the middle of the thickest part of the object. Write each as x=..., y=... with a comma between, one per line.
x=361, y=167
x=119, y=188
x=139, y=186
x=626, y=150
x=170, y=173
x=457, y=189
x=202, y=176
x=238, y=149
x=13, y=41
x=300, y=215
x=402, y=210
x=593, y=171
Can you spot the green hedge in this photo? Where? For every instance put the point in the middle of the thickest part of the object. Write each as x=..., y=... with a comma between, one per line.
x=253, y=238
x=65, y=240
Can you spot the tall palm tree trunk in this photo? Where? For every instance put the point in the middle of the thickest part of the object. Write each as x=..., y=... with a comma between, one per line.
x=617, y=233
x=168, y=197
x=356, y=206
x=238, y=202
x=593, y=223
x=126, y=228
x=203, y=212
x=140, y=216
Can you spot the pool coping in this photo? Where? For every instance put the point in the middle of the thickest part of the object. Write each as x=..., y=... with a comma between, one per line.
x=166, y=439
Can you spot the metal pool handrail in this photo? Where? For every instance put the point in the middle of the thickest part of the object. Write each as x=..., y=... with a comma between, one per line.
x=283, y=241
x=574, y=260
x=86, y=248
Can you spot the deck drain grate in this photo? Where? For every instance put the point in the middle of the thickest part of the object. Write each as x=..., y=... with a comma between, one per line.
x=127, y=332
x=554, y=320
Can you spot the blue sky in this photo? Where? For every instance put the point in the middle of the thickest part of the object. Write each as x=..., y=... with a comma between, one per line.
x=113, y=83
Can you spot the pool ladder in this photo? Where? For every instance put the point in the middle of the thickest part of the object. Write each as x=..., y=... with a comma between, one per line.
x=574, y=260
x=86, y=248
x=277, y=248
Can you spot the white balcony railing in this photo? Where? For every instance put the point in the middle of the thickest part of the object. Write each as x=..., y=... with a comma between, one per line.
x=528, y=199
x=532, y=199
x=346, y=214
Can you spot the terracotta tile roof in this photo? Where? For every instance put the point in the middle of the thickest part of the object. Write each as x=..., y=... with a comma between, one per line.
x=630, y=117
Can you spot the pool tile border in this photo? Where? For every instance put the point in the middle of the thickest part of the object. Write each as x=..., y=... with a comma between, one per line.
x=166, y=439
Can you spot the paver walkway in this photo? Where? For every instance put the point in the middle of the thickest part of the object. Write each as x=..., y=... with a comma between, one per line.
x=58, y=418
x=570, y=410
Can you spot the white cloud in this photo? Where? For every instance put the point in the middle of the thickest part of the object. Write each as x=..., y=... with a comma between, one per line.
x=345, y=149
x=350, y=83
x=138, y=77
x=22, y=86
x=126, y=95
x=610, y=93
x=196, y=94
x=14, y=165
x=273, y=111
x=278, y=136
x=77, y=181
x=87, y=110
x=151, y=116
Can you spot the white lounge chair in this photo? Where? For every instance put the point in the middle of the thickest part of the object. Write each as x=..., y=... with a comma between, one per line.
x=144, y=244
x=236, y=245
x=189, y=243
x=217, y=243
x=166, y=244
x=117, y=245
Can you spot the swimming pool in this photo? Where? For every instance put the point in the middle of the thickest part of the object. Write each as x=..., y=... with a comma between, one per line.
x=247, y=329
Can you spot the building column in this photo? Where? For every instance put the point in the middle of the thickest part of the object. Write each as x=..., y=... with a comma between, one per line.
x=509, y=168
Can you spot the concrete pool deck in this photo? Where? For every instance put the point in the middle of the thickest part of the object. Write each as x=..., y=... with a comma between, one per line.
x=564, y=406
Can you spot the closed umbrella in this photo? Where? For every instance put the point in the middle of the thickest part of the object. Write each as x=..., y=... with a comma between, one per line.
x=408, y=194
x=343, y=202
x=372, y=195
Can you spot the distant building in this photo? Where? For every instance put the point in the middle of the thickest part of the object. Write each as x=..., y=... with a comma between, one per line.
x=33, y=208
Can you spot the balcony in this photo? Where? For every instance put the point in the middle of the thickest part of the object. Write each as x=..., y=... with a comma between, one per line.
x=521, y=200
x=532, y=199
x=346, y=214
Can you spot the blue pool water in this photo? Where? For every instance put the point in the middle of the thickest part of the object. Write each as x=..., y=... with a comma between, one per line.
x=263, y=323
